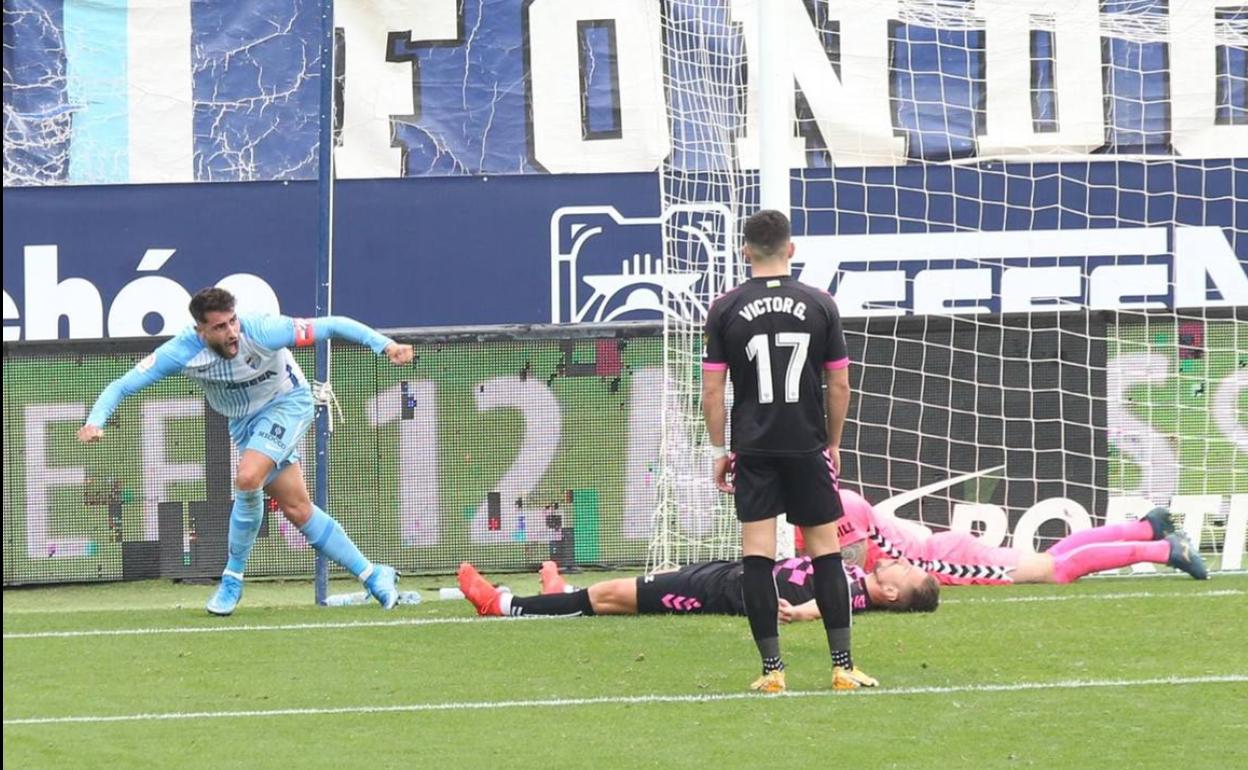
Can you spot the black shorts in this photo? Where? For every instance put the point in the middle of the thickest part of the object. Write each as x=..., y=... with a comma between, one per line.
x=803, y=487
x=712, y=587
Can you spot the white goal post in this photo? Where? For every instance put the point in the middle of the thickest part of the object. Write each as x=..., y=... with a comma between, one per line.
x=1035, y=225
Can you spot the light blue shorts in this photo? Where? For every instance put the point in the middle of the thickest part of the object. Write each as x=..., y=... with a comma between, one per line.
x=275, y=430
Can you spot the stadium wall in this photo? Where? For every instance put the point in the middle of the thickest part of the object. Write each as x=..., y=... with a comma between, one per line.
x=511, y=446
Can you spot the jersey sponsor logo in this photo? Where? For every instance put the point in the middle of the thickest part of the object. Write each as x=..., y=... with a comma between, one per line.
x=253, y=381
x=609, y=267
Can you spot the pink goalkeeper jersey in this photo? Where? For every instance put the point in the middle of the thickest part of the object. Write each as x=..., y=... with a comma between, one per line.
x=954, y=558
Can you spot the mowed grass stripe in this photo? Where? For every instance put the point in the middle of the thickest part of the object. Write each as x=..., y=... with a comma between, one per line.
x=357, y=624
x=260, y=627
x=632, y=700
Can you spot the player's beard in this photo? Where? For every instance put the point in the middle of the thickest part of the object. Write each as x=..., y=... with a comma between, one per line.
x=225, y=349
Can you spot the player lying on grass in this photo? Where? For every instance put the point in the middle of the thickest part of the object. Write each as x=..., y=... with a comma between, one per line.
x=245, y=368
x=706, y=588
x=962, y=558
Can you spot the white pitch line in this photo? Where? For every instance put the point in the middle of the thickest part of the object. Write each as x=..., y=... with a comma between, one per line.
x=274, y=627
x=610, y=700
x=1098, y=597
x=451, y=621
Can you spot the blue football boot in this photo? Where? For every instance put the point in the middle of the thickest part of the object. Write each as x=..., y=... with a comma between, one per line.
x=1160, y=520
x=226, y=598
x=1184, y=556
x=382, y=586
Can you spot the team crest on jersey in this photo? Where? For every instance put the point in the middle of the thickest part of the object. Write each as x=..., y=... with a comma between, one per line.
x=252, y=360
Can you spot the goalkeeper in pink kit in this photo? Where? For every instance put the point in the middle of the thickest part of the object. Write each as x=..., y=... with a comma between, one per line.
x=960, y=558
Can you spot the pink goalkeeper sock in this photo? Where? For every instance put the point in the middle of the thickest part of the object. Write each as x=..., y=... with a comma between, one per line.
x=1074, y=564
x=1113, y=533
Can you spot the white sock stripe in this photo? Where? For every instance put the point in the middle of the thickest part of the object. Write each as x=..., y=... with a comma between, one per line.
x=637, y=700
x=232, y=573
x=520, y=614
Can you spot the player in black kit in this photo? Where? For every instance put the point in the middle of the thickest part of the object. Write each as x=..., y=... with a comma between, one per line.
x=781, y=342
x=704, y=588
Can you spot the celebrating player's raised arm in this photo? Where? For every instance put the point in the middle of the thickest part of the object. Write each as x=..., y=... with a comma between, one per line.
x=166, y=360
x=248, y=374
x=279, y=331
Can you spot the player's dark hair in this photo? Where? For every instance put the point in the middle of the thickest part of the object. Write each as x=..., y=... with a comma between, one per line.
x=924, y=598
x=211, y=299
x=767, y=232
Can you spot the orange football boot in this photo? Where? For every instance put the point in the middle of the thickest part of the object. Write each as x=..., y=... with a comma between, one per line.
x=478, y=590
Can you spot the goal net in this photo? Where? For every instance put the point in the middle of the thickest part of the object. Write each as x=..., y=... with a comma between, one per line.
x=1033, y=222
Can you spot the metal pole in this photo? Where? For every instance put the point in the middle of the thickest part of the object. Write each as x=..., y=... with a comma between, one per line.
x=775, y=137
x=324, y=270
x=775, y=104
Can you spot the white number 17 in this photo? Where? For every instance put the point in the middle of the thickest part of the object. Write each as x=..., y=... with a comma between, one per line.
x=760, y=353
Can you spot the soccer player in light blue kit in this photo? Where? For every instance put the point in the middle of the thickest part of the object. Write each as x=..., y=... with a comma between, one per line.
x=247, y=373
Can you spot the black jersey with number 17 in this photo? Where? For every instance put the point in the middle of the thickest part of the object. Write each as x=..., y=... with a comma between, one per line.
x=776, y=336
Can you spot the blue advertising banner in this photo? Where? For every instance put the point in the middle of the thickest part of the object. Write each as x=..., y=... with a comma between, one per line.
x=89, y=261
x=118, y=261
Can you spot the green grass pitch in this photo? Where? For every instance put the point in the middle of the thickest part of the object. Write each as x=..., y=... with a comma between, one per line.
x=1138, y=673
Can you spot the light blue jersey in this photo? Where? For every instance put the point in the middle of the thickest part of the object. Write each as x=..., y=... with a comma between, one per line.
x=262, y=372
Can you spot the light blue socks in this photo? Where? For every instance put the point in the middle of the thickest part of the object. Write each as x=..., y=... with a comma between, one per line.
x=328, y=537
x=245, y=519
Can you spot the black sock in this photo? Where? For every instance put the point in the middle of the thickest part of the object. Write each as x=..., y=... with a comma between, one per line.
x=758, y=587
x=575, y=603
x=832, y=598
